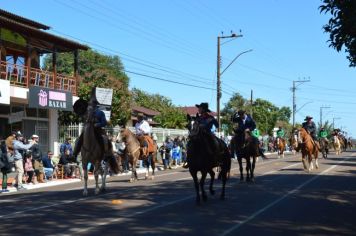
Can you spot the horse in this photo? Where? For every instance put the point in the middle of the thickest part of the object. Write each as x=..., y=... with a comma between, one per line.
x=201, y=157
x=294, y=143
x=308, y=149
x=134, y=153
x=324, y=147
x=246, y=146
x=281, y=145
x=93, y=151
x=349, y=144
x=337, y=145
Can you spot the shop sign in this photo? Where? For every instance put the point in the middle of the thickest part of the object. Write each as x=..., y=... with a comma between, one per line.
x=4, y=91
x=46, y=98
x=104, y=97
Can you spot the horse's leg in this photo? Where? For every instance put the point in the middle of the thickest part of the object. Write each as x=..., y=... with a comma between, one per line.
x=153, y=164
x=223, y=173
x=248, y=169
x=310, y=161
x=316, y=161
x=304, y=161
x=85, y=172
x=147, y=164
x=253, y=169
x=212, y=177
x=96, y=176
x=239, y=159
x=133, y=173
x=103, y=172
x=202, y=182
x=194, y=175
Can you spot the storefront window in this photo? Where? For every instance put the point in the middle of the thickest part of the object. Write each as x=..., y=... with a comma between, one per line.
x=42, y=113
x=4, y=110
x=31, y=112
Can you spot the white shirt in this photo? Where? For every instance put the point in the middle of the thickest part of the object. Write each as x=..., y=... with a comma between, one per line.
x=142, y=127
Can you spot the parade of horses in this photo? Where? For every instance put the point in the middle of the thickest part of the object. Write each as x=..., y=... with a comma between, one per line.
x=179, y=117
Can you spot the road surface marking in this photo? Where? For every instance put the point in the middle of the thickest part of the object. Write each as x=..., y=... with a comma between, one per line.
x=251, y=217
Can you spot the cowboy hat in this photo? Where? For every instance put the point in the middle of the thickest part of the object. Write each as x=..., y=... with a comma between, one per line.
x=140, y=114
x=204, y=106
x=34, y=136
x=308, y=118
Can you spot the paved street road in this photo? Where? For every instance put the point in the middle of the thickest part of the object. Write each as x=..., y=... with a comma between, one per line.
x=285, y=200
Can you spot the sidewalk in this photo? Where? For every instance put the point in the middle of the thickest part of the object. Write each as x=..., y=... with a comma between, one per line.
x=56, y=182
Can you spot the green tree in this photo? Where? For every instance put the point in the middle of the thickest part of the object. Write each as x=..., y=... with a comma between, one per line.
x=170, y=116
x=342, y=26
x=98, y=70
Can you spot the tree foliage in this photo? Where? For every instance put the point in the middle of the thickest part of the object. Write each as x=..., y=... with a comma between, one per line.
x=169, y=117
x=342, y=26
x=98, y=70
x=266, y=115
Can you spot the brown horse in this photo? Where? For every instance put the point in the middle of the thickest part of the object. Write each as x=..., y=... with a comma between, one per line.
x=281, y=145
x=308, y=149
x=92, y=151
x=294, y=143
x=134, y=153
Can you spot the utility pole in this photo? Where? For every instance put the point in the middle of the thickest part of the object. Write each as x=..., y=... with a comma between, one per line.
x=293, y=91
x=251, y=103
x=321, y=114
x=335, y=118
x=218, y=73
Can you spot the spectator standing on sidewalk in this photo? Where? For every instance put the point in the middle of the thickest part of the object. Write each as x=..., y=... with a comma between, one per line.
x=5, y=166
x=37, y=158
x=19, y=147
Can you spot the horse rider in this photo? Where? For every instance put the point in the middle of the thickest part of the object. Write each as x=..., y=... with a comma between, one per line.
x=245, y=123
x=143, y=131
x=209, y=124
x=310, y=127
x=323, y=135
x=99, y=123
x=280, y=134
x=256, y=133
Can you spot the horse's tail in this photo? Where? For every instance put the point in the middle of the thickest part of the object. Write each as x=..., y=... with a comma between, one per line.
x=114, y=166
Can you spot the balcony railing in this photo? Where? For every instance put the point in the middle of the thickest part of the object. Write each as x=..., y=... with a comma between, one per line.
x=20, y=76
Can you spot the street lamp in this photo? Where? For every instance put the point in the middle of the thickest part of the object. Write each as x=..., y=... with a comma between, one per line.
x=218, y=73
x=335, y=118
x=321, y=114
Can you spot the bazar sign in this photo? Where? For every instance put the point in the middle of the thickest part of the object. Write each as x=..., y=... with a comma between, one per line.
x=51, y=99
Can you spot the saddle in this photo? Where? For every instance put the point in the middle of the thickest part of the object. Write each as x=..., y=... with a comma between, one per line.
x=147, y=144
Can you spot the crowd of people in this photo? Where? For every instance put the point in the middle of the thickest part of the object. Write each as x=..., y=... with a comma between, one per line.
x=25, y=158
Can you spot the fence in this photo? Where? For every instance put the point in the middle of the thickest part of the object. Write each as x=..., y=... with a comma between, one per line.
x=74, y=131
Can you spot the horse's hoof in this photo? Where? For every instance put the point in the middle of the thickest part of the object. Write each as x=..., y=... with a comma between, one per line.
x=85, y=193
x=205, y=198
x=97, y=191
x=103, y=190
x=212, y=192
x=152, y=177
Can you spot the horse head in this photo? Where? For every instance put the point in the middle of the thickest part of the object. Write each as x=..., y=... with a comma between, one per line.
x=193, y=127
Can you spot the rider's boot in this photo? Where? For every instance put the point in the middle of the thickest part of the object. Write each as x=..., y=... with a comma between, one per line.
x=78, y=146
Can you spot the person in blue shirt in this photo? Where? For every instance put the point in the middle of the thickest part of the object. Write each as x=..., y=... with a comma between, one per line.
x=99, y=124
x=48, y=165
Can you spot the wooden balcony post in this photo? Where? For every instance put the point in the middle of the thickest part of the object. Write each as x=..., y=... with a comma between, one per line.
x=28, y=65
x=54, y=65
x=76, y=69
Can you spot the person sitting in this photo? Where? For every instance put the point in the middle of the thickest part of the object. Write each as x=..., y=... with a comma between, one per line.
x=310, y=127
x=48, y=166
x=143, y=131
x=323, y=135
x=29, y=170
x=256, y=134
x=280, y=134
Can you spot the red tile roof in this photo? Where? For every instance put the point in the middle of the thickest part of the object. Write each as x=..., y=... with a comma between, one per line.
x=145, y=111
x=192, y=111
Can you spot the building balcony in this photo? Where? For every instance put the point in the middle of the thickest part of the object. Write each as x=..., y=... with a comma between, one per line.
x=24, y=76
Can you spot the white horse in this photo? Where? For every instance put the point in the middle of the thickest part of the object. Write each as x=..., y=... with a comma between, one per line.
x=337, y=145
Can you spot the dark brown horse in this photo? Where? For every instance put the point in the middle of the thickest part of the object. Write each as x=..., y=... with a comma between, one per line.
x=92, y=151
x=134, y=153
x=202, y=157
x=245, y=146
x=308, y=149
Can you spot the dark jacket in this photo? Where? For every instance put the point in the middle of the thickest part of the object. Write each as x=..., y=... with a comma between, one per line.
x=207, y=121
x=100, y=118
x=249, y=123
x=47, y=163
x=5, y=166
x=310, y=127
x=36, y=152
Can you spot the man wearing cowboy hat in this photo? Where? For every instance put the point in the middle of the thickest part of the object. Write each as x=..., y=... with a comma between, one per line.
x=209, y=123
x=100, y=123
x=310, y=126
x=143, y=131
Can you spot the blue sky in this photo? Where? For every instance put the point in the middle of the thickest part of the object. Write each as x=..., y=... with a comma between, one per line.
x=176, y=40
